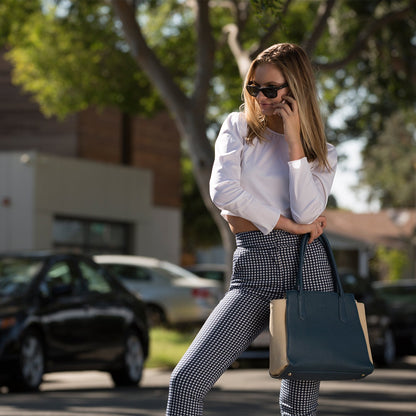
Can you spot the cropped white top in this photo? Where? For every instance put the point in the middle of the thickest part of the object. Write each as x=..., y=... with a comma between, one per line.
x=259, y=183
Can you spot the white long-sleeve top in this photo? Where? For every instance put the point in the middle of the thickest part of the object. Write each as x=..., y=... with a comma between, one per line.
x=258, y=182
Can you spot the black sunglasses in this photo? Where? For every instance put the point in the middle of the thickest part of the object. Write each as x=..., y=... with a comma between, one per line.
x=269, y=92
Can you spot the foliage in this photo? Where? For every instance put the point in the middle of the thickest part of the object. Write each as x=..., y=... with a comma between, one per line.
x=170, y=33
x=390, y=263
x=72, y=59
x=64, y=80
x=167, y=347
x=198, y=227
x=267, y=12
x=390, y=168
x=380, y=79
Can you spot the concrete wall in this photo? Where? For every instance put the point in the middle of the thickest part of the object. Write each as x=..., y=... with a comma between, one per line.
x=16, y=203
x=34, y=188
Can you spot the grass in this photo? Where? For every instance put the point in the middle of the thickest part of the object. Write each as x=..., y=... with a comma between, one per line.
x=167, y=347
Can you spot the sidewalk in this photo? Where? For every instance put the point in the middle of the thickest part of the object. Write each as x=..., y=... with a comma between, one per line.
x=242, y=392
x=387, y=392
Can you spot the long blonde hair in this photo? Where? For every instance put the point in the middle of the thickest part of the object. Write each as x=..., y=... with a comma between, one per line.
x=297, y=70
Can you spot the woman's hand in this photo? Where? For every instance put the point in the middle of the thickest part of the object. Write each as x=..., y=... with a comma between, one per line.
x=238, y=225
x=315, y=229
x=318, y=227
x=287, y=109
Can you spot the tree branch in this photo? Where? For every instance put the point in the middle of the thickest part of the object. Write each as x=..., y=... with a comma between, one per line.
x=264, y=41
x=324, y=11
x=161, y=78
x=205, y=55
x=362, y=39
x=241, y=56
x=232, y=31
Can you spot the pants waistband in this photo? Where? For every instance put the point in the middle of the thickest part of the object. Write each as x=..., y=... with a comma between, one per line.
x=274, y=239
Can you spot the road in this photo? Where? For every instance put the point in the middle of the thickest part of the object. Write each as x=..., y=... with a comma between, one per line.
x=387, y=392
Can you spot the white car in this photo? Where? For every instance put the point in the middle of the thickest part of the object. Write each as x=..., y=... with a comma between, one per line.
x=173, y=295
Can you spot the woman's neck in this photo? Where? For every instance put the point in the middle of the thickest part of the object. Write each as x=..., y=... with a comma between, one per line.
x=275, y=123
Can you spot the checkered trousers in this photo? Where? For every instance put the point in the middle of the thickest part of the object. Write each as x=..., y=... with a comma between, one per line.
x=264, y=268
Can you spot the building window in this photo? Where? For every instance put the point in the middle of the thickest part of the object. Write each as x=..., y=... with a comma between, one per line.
x=91, y=236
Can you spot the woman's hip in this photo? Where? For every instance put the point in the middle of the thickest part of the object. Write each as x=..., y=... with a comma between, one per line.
x=268, y=264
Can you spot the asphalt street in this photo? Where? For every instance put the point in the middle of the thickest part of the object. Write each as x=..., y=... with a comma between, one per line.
x=387, y=392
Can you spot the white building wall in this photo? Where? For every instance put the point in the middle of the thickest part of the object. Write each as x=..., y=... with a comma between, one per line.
x=41, y=187
x=16, y=203
x=165, y=227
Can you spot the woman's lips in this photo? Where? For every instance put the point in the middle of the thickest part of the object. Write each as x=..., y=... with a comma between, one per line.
x=266, y=107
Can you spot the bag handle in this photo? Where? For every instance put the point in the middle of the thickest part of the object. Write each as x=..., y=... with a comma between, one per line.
x=335, y=276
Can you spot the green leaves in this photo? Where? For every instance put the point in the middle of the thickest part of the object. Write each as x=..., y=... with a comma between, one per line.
x=390, y=163
x=72, y=61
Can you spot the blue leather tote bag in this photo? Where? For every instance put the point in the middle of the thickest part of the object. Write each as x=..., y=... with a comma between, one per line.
x=319, y=335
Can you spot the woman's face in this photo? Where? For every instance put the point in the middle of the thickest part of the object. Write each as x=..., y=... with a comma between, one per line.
x=267, y=75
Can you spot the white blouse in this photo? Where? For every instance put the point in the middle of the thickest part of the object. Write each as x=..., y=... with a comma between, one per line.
x=259, y=183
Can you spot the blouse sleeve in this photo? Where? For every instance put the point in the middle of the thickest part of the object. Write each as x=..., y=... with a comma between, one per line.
x=309, y=187
x=225, y=186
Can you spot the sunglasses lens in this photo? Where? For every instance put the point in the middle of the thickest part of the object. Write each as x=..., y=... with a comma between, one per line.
x=253, y=90
x=269, y=92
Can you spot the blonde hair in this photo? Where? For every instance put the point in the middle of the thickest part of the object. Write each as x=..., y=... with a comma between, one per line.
x=297, y=70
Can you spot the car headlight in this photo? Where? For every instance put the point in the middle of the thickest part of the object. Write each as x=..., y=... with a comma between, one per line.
x=8, y=322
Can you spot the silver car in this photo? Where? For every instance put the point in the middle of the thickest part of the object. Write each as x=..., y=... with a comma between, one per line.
x=173, y=295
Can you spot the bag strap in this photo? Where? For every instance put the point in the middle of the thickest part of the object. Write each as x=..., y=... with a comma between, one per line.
x=335, y=275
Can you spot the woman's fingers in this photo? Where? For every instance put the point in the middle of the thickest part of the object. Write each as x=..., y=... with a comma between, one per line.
x=283, y=109
x=322, y=221
x=317, y=228
x=288, y=106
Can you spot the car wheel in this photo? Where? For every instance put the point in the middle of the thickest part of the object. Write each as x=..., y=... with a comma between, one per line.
x=389, y=348
x=31, y=364
x=133, y=362
x=155, y=316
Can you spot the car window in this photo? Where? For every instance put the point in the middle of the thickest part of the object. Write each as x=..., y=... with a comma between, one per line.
x=59, y=278
x=94, y=279
x=16, y=275
x=131, y=273
x=59, y=273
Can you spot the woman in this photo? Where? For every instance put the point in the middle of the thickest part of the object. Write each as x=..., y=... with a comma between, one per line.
x=271, y=178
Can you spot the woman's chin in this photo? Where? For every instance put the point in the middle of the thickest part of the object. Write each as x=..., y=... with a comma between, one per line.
x=267, y=111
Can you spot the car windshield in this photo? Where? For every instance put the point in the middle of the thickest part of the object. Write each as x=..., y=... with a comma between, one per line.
x=16, y=275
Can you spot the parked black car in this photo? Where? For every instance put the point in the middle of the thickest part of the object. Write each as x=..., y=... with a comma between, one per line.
x=400, y=298
x=62, y=312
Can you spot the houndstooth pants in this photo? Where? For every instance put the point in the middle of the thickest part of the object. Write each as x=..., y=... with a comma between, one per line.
x=264, y=268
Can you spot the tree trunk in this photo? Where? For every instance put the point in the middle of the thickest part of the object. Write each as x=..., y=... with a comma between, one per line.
x=189, y=113
x=202, y=156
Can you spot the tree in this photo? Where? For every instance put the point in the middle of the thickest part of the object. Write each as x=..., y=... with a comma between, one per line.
x=199, y=228
x=390, y=168
x=193, y=70
x=190, y=111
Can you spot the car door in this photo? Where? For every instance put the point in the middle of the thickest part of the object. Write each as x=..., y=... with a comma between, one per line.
x=64, y=313
x=109, y=316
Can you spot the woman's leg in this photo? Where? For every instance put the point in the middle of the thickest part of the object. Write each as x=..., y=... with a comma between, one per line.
x=229, y=330
x=299, y=397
